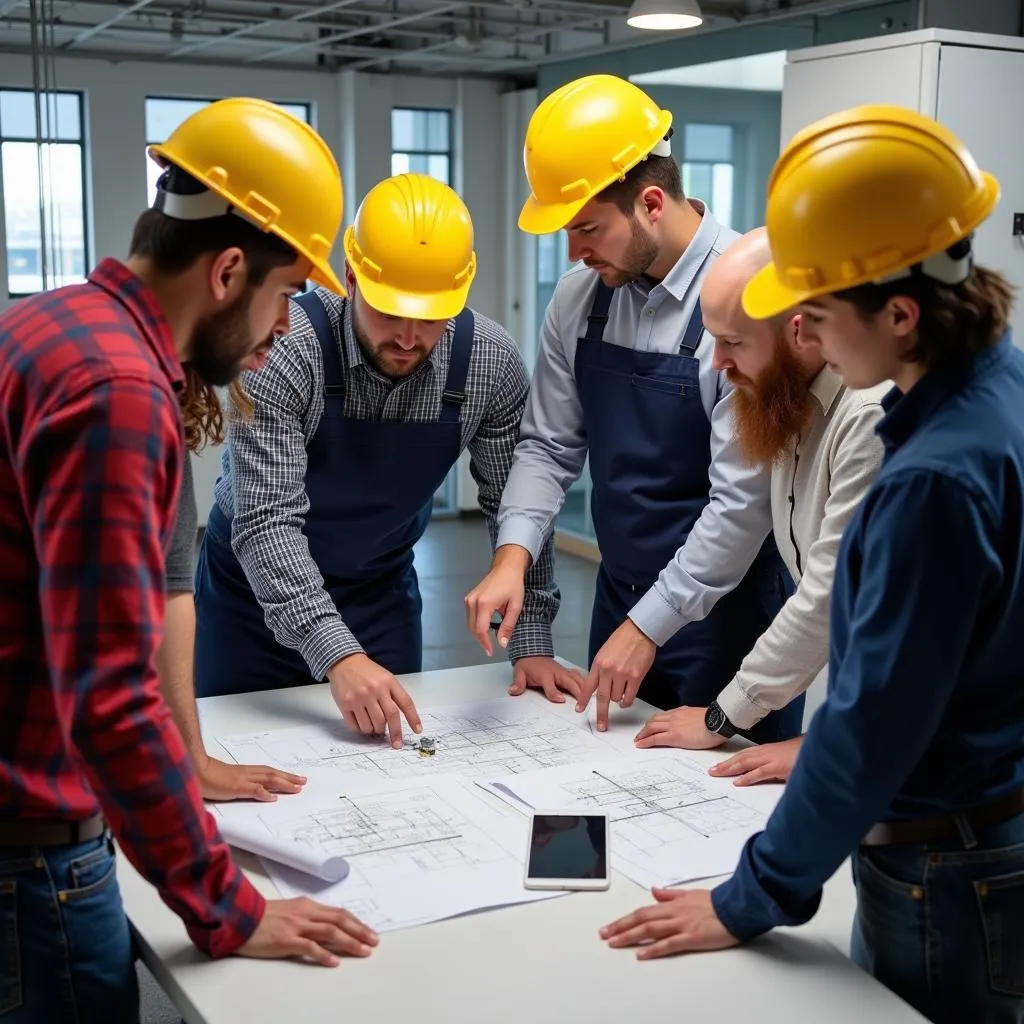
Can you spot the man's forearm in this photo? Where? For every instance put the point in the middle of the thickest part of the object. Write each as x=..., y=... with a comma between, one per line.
x=174, y=661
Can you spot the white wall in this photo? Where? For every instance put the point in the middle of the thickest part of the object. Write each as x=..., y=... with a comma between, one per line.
x=351, y=110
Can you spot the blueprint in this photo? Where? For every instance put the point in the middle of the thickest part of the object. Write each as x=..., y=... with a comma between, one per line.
x=671, y=822
x=481, y=740
x=418, y=850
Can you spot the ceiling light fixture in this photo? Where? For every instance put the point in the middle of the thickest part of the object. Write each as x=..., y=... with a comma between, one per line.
x=665, y=15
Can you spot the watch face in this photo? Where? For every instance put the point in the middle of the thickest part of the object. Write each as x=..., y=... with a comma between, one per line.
x=714, y=719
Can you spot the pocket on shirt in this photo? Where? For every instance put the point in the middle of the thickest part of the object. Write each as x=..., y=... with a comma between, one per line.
x=1001, y=905
x=10, y=947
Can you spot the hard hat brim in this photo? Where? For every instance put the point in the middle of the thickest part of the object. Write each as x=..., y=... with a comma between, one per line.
x=765, y=296
x=414, y=305
x=538, y=218
x=322, y=274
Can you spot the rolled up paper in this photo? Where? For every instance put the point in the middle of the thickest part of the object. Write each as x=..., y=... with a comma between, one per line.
x=247, y=836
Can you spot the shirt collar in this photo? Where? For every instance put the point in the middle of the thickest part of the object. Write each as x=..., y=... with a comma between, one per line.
x=353, y=350
x=127, y=288
x=906, y=413
x=679, y=279
x=826, y=386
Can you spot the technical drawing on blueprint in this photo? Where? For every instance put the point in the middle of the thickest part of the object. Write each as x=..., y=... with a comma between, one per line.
x=482, y=740
x=670, y=821
x=417, y=850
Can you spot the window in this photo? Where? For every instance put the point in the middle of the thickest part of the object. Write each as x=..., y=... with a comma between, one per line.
x=164, y=114
x=50, y=161
x=421, y=142
x=709, y=167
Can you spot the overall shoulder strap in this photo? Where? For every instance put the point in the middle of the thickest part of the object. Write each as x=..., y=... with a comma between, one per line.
x=597, y=318
x=694, y=330
x=454, y=393
x=320, y=321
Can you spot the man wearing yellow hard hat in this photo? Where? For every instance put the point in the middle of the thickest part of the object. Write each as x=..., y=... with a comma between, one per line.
x=690, y=575
x=90, y=469
x=914, y=766
x=306, y=569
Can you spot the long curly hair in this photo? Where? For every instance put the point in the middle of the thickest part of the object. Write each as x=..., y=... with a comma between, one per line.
x=201, y=411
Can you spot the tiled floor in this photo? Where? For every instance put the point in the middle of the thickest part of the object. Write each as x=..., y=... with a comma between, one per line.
x=452, y=558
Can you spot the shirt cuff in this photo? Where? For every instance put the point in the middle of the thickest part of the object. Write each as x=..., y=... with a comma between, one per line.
x=522, y=532
x=247, y=909
x=326, y=645
x=531, y=640
x=745, y=907
x=741, y=711
x=656, y=618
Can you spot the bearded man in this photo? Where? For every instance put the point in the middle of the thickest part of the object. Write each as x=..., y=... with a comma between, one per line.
x=794, y=415
x=306, y=571
x=690, y=575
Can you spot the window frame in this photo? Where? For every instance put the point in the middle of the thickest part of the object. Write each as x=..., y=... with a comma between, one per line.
x=81, y=142
x=448, y=152
x=711, y=165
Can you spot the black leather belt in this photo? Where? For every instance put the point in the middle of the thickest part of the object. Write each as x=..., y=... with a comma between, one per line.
x=927, y=830
x=47, y=832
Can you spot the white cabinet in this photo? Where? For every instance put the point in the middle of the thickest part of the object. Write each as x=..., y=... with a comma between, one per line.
x=970, y=82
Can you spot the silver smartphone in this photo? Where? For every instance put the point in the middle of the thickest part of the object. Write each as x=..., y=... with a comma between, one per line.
x=567, y=851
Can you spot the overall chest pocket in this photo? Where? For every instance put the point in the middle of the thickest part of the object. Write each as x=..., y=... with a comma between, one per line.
x=656, y=373
x=663, y=385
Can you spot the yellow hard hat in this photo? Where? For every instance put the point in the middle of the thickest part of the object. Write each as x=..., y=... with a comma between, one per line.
x=580, y=139
x=411, y=248
x=862, y=195
x=268, y=165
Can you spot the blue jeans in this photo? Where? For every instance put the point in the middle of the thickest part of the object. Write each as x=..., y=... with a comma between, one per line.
x=65, y=948
x=942, y=924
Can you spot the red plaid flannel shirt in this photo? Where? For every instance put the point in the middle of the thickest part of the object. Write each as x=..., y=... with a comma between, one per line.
x=90, y=465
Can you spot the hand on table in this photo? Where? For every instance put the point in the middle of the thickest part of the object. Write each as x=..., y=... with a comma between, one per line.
x=770, y=762
x=683, y=727
x=371, y=699
x=302, y=928
x=543, y=673
x=618, y=670
x=682, y=921
x=501, y=590
x=219, y=780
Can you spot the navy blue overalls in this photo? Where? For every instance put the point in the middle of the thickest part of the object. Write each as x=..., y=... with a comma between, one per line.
x=650, y=452
x=370, y=485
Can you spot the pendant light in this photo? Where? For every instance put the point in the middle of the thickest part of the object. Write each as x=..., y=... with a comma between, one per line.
x=665, y=15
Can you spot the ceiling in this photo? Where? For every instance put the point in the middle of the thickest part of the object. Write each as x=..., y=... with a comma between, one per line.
x=493, y=38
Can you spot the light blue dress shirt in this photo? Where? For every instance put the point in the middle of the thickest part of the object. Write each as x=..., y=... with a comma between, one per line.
x=552, y=449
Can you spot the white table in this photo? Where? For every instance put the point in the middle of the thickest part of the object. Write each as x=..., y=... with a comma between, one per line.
x=536, y=962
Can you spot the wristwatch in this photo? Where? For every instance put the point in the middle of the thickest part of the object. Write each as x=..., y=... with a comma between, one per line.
x=715, y=721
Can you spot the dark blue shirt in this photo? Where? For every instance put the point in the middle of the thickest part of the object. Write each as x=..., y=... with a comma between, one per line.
x=925, y=711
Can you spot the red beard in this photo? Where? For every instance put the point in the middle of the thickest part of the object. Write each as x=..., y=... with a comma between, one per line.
x=772, y=410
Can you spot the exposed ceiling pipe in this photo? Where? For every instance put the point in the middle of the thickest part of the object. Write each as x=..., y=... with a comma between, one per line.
x=399, y=56
x=245, y=29
x=112, y=20
x=777, y=15
x=355, y=32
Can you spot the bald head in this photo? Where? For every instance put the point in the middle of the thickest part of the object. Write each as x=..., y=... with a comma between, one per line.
x=722, y=290
x=762, y=358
